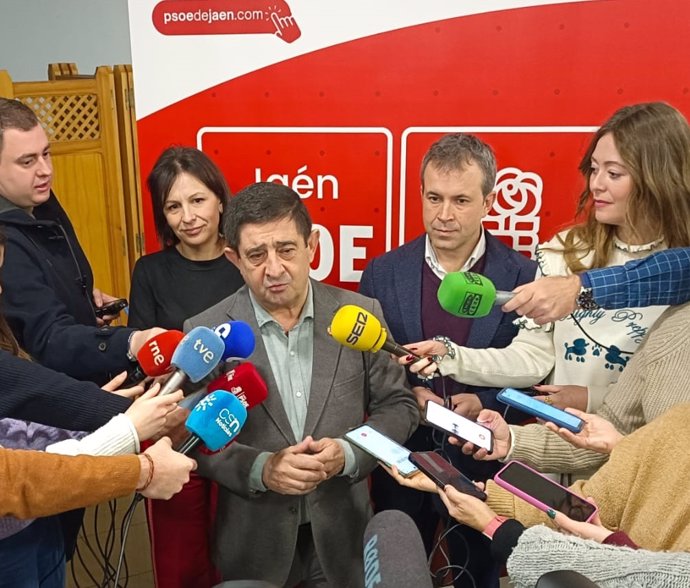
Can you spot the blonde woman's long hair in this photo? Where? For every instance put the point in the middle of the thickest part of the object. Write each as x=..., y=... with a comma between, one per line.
x=653, y=140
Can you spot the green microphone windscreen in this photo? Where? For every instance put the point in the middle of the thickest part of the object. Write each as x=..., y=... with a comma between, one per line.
x=466, y=294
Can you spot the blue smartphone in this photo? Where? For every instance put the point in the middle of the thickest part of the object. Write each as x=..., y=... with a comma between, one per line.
x=540, y=409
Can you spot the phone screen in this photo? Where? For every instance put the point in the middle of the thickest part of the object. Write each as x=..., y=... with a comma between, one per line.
x=540, y=409
x=546, y=491
x=458, y=425
x=382, y=448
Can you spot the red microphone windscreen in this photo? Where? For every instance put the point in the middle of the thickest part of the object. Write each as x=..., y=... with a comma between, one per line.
x=155, y=355
x=245, y=382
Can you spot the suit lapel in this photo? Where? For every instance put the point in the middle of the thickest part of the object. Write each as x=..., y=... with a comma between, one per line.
x=326, y=355
x=408, y=282
x=503, y=274
x=242, y=309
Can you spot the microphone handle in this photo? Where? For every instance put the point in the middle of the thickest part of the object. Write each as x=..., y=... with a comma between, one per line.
x=174, y=382
x=502, y=297
x=399, y=350
x=188, y=445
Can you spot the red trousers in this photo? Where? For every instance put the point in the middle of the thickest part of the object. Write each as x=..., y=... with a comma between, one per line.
x=180, y=531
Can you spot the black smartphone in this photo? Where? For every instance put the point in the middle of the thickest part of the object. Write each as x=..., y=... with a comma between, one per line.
x=442, y=473
x=543, y=492
x=111, y=308
x=457, y=425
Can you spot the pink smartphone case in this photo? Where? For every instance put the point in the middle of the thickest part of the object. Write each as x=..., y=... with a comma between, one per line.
x=528, y=497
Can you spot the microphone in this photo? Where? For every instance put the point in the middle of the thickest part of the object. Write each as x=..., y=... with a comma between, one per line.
x=358, y=329
x=154, y=357
x=470, y=295
x=195, y=357
x=394, y=555
x=215, y=421
x=245, y=382
x=238, y=338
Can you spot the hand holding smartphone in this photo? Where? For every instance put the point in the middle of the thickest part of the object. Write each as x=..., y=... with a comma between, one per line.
x=442, y=473
x=382, y=448
x=543, y=493
x=111, y=308
x=457, y=425
x=540, y=409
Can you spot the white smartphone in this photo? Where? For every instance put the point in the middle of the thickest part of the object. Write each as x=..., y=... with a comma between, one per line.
x=458, y=426
x=382, y=448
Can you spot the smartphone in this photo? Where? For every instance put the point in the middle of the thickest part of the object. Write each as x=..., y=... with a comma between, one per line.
x=111, y=308
x=542, y=492
x=540, y=409
x=442, y=473
x=382, y=448
x=458, y=426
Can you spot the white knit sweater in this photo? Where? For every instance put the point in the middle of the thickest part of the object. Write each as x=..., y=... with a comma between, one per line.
x=542, y=550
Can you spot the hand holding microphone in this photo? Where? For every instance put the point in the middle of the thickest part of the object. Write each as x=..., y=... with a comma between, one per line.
x=149, y=412
x=470, y=295
x=170, y=471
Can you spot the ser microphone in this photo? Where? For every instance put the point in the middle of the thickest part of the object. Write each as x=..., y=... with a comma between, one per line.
x=238, y=338
x=394, y=555
x=215, y=421
x=358, y=329
x=245, y=382
x=470, y=295
x=195, y=357
x=154, y=357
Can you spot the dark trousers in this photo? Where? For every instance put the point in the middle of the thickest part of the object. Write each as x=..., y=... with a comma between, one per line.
x=468, y=548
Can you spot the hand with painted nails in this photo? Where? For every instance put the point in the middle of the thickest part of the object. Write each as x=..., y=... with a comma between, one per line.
x=594, y=530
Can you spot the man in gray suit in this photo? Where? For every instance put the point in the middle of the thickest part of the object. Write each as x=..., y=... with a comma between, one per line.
x=293, y=501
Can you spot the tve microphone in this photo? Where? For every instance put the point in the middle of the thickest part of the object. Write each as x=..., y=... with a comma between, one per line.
x=394, y=555
x=215, y=421
x=470, y=295
x=195, y=357
x=154, y=357
x=358, y=329
x=245, y=382
x=238, y=338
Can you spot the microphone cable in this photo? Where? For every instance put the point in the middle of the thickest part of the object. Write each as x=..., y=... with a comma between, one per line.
x=124, y=531
x=593, y=340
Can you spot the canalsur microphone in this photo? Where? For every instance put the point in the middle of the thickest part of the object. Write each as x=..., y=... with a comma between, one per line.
x=154, y=357
x=245, y=382
x=238, y=338
x=470, y=295
x=215, y=421
x=195, y=357
x=394, y=555
x=358, y=329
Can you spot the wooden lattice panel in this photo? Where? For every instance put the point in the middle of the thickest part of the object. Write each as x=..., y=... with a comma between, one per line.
x=67, y=117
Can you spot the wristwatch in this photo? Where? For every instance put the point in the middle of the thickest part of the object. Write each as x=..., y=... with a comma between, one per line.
x=585, y=299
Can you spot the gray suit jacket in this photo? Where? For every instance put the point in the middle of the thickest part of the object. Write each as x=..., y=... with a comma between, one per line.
x=256, y=534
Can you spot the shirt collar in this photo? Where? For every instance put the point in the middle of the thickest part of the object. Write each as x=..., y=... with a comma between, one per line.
x=263, y=316
x=475, y=255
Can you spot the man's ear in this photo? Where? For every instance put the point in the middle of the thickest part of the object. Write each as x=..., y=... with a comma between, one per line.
x=232, y=256
x=313, y=243
x=489, y=200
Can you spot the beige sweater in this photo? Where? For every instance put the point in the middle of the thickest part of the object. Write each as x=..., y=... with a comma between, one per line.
x=642, y=489
x=657, y=378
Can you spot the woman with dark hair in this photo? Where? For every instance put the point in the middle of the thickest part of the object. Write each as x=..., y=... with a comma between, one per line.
x=190, y=274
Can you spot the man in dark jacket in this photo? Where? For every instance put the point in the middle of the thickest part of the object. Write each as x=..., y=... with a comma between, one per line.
x=47, y=281
x=457, y=189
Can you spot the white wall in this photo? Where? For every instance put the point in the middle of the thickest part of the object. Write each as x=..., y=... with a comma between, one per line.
x=34, y=33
